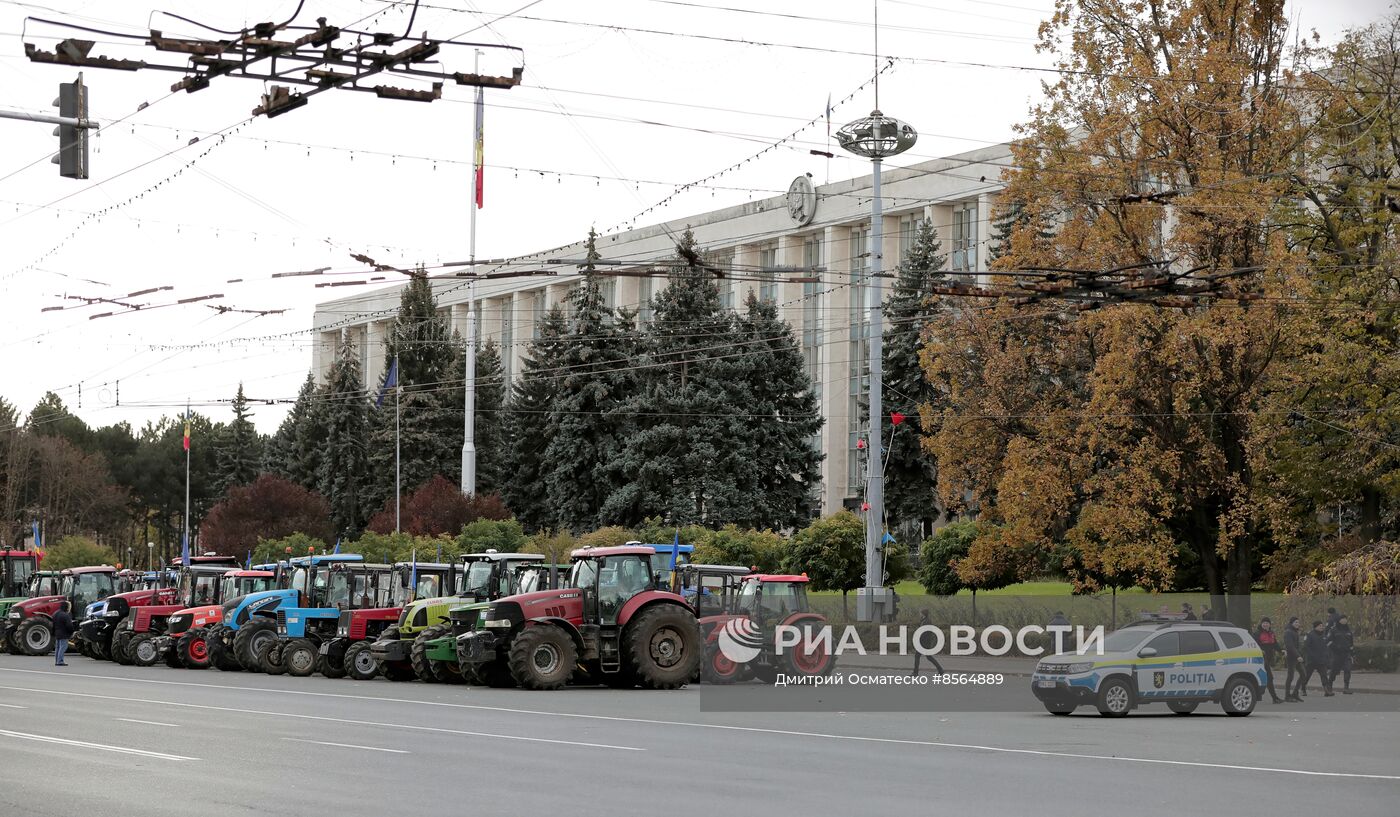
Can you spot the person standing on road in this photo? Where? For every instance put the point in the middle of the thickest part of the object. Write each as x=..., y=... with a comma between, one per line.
x=1268, y=643
x=1316, y=659
x=924, y=621
x=1293, y=660
x=63, y=630
x=1186, y=613
x=1341, y=644
x=1058, y=630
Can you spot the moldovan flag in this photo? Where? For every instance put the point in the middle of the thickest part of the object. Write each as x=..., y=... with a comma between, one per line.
x=480, y=160
x=187, y=429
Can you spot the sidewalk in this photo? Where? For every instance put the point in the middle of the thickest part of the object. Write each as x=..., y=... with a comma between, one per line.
x=1384, y=683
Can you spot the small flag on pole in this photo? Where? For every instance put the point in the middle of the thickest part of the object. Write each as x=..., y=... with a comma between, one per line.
x=185, y=549
x=337, y=546
x=37, y=541
x=187, y=428
x=248, y=565
x=480, y=152
x=390, y=381
x=675, y=555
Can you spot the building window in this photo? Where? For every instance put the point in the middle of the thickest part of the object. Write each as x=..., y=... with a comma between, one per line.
x=644, y=287
x=858, y=351
x=767, y=275
x=507, y=337
x=812, y=313
x=965, y=237
x=908, y=232
x=537, y=312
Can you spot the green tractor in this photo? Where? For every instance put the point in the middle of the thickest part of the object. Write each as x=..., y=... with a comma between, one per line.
x=397, y=651
x=20, y=579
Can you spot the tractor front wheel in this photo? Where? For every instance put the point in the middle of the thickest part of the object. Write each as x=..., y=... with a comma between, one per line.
x=300, y=657
x=142, y=650
x=193, y=649
x=251, y=638
x=662, y=647
x=717, y=667
x=809, y=657
x=270, y=657
x=121, y=645
x=332, y=663
x=441, y=671
x=542, y=657
x=35, y=636
x=359, y=663
x=220, y=653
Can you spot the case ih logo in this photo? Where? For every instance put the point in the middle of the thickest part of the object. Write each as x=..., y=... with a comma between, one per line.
x=740, y=640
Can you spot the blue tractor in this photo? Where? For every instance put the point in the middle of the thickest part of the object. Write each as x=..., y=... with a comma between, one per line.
x=249, y=622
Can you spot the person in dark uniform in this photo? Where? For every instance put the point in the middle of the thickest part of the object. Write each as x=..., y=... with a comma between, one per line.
x=63, y=630
x=1340, y=645
x=1316, y=658
x=1268, y=643
x=925, y=621
x=1186, y=613
x=1293, y=660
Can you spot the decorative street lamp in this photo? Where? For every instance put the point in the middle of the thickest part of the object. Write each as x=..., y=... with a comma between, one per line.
x=875, y=137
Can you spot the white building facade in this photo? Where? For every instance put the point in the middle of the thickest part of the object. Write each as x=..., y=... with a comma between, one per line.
x=815, y=232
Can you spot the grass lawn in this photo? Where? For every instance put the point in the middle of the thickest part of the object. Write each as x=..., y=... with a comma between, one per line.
x=1041, y=588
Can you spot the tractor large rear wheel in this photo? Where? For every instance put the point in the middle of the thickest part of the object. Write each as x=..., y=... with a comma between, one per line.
x=662, y=646
x=359, y=663
x=35, y=636
x=193, y=649
x=220, y=652
x=270, y=657
x=142, y=650
x=251, y=638
x=300, y=656
x=121, y=645
x=543, y=656
x=12, y=641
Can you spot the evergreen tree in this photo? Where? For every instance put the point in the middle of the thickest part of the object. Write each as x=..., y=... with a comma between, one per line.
x=780, y=489
x=594, y=380
x=911, y=475
x=429, y=419
x=685, y=460
x=282, y=456
x=490, y=418
x=344, y=467
x=1008, y=219
x=239, y=449
x=527, y=430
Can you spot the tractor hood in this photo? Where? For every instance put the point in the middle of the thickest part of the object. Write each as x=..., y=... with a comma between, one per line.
x=38, y=604
x=141, y=598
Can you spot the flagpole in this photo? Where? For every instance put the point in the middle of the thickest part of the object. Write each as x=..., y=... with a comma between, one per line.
x=398, y=472
x=469, y=401
x=186, y=549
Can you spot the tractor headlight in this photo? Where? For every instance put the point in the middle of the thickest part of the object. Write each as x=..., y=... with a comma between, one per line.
x=497, y=622
x=113, y=614
x=15, y=614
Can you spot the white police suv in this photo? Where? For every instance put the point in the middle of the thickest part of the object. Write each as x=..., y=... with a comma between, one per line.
x=1179, y=663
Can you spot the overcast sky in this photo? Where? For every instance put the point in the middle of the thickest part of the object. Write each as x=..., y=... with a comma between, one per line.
x=624, y=114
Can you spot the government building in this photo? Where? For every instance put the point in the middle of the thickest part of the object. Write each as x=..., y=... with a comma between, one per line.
x=817, y=233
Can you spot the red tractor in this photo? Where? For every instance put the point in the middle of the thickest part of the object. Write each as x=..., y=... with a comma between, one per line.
x=743, y=641
x=196, y=585
x=30, y=622
x=187, y=630
x=610, y=620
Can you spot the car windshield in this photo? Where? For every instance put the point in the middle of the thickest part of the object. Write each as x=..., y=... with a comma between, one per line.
x=478, y=579
x=1124, y=640
x=85, y=588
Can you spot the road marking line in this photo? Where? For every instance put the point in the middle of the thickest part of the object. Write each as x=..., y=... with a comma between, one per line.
x=726, y=727
x=13, y=706
x=102, y=746
x=149, y=723
x=327, y=719
x=349, y=746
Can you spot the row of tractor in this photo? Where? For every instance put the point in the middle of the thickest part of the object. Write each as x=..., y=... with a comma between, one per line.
x=626, y=616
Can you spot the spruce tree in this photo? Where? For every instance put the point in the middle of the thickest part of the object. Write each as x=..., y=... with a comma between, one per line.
x=239, y=449
x=344, y=467
x=490, y=418
x=911, y=474
x=527, y=430
x=280, y=456
x=595, y=378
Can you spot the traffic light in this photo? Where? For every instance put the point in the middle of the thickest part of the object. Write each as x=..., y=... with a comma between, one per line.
x=72, y=156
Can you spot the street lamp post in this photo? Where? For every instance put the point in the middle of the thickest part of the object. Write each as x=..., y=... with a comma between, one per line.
x=875, y=137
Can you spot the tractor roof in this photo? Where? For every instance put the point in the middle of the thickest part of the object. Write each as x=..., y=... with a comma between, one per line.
x=206, y=559
x=425, y=565
x=10, y=553
x=501, y=557
x=249, y=574
x=665, y=547
x=210, y=570
x=91, y=569
x=719, y=570
x=778, y=577
x=302, y=561
x=620, y=550
x=268, y=566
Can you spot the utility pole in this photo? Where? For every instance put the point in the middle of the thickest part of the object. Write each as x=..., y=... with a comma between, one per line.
x=469, y=408
x=72, y=131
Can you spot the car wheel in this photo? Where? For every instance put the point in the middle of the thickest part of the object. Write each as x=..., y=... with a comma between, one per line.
x=1115, y=698
x=1239, y=697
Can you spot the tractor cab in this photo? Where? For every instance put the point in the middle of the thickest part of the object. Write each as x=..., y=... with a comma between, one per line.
x=82, y=586
x=17, y=567
x=334, y=592
x=29, y=623
x=132, y=627
x=661, y=559
x=764, y=603
x=770, y=598
x=44, y=583
x=612, y=618
x=710, y=589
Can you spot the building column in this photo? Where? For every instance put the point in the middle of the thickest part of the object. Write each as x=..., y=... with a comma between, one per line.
x=745, y=264
x=790, y=294
x=458, y=319
x=836, y=369
x=323, y=354
x=376, y=344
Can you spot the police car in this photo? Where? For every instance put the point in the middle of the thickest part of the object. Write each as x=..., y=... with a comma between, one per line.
x=1179, y=663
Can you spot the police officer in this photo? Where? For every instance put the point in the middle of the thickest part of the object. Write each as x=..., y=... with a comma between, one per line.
x=1293, y=660
x=1268, y=643
x=1341, y=644
x=1187, y=614
x=1317, y=659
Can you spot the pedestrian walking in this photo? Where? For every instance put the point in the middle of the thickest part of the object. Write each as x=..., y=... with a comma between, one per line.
x=1316, y=658
x=1293, y=660
x=1058, y=630
x=1268, y=643
x=63, y=629
x=1341, y=645
x=924, y=621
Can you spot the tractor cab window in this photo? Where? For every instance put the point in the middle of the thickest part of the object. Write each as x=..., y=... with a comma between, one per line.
x=350, y=588
x=42, y=586
x=782, y=598
x=429, y=586
x=85, y=588
x=661, y=565
x=528, y=579
x=477, y=580
x=619, y=579
x=318, y=579
x=199, y=588
x=21, y=570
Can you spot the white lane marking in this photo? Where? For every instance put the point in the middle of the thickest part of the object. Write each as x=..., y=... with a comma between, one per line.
x=13, y=706
x=349, y=746
x=324, y=718
x=124, y=750
x=720, y=726
x=149, y=723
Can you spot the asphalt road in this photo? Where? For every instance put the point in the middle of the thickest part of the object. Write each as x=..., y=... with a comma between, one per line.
x=97, y=738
